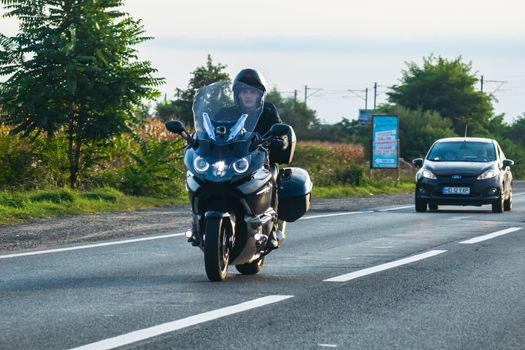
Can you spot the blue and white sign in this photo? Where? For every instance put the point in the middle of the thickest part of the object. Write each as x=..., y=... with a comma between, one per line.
x=385, y=134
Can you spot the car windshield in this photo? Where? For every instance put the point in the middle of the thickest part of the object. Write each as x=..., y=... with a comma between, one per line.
x=462, y=151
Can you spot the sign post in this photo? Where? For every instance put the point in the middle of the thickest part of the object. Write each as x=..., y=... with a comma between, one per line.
x=385, y=142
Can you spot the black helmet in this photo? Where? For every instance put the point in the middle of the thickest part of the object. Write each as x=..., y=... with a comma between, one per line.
x=250, y=77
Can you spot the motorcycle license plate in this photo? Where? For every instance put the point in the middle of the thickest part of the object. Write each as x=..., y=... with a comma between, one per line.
x=456, y=190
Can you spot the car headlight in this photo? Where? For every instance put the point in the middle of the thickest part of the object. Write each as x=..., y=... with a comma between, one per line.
x=489, y=174
x=200, y=164
x=241, y=166
x=428, y=174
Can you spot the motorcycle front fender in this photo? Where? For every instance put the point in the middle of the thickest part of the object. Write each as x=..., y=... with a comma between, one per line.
x=228, y=218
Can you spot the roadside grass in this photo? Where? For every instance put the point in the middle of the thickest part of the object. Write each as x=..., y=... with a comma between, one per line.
x=365, y=190
x=21, y=206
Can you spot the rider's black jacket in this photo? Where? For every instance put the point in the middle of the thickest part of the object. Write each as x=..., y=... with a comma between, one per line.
x=268, y=117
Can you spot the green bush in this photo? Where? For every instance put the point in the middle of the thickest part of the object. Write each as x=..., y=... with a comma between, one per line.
x=155, y=170
x=331, y=163
x=18, y=165
x=350, y=175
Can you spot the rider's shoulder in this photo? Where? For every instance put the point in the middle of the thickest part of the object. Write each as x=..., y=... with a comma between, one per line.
x=270, y=107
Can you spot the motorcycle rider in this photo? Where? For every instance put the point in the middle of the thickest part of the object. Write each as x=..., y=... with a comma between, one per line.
x=249, y=89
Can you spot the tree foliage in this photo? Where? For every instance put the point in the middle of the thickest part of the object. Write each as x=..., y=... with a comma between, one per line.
x=447, y=87
x=516, y=131
x=181, y=107
x=294, y=113
x=419, y=129
x=72, y=67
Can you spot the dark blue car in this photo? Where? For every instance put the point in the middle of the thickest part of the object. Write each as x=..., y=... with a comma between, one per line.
x=464, y=171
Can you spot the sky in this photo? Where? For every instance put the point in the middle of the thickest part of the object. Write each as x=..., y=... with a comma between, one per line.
x=337, y=48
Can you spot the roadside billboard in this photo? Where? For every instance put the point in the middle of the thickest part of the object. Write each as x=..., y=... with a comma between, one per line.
x=385, y=145
x=364, y=116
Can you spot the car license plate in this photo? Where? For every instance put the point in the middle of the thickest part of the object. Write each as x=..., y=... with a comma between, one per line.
x=456, y=190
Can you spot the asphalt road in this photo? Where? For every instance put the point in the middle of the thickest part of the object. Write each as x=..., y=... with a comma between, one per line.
x=368, y=279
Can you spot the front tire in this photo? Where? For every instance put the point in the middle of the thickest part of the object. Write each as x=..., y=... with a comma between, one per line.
x=507, y=205
x=421, y=206
x=497, y=207
x=216, y=249
x=251, y=268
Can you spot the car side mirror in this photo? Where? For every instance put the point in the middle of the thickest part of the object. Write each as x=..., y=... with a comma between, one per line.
x=175, y=126
x=279, y=130
x=418, y=162
x=508, y=162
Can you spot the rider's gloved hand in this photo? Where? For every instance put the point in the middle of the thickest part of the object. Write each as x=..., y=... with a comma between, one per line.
x=279, y=143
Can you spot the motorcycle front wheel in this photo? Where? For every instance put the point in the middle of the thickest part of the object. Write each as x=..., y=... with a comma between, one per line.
x=216, y=249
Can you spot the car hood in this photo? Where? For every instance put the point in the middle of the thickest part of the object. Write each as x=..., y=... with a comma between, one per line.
x=458, y=168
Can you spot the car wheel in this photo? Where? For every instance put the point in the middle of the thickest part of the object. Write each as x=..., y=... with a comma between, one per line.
x=421, y=206
x=507, y=205
x=433, y=206
x=497, y=207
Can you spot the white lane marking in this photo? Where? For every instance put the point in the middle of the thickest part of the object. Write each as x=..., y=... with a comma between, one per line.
x=355, y=212
x=518, y=194
x=154, y=331
x=335, y=214
x=396, y=208
x=327, y=345
x=383, y=267
x=96, y=245
x=491, y=235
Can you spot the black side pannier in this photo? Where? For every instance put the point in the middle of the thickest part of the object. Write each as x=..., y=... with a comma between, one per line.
x=294, y=189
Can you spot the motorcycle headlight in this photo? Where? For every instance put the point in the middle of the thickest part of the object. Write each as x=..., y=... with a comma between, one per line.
x=428, y=174
x=200, y=164
x=219, y=168
x=489, y=174
x=241, y=166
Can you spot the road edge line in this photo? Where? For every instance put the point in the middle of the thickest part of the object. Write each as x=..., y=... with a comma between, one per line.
x=89, y=246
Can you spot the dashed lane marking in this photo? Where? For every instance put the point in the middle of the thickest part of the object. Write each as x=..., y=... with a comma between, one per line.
x=154, y=331
x=491, y=235
x=356, y=274
x=334, y=214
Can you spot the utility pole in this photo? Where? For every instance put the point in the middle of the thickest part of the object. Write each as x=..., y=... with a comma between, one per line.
x=375, y=95
x=295, y=95
x=366, y=98
x=305, y=94
x=481, y=80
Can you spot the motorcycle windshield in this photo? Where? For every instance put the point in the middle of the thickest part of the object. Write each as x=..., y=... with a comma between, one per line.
x=224, y=113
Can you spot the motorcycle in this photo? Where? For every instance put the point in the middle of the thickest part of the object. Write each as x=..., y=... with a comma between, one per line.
x=238, y=197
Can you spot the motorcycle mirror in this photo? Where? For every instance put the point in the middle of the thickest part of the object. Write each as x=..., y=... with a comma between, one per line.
x=175, y=126
x=278, y=130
